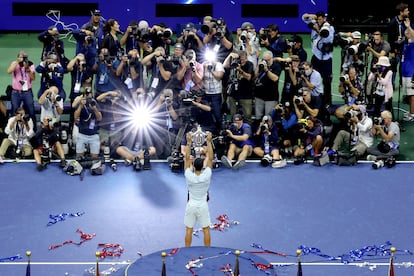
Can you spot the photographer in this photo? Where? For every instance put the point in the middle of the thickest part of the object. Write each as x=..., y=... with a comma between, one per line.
x=45, y=142
x=80, y=73
x=88, y=116
x=213, y=85
x=3, y=119
x=86, y=44
x=111, y=105
x=307, y=105
x=218, y=38
x=359, y=133
x=128, y=70
x=378, y=47
x=322, y=36
x=191, y=40
x=293, y=81
x=395, y=35
x=266, y=85
x=266, y=143
x=19, y=130
x=52, y=44
x=407, y=71
x=389, y=134
x=241, y=143
x=23, y=75
x=110, y=40
x=194, y=72
x=353, y=53
x=310, y=138
x=51, y=104
x=168, y=125
x=272, y=40
x=247, y=40
x=285, y=119
x=131, y=37
x=295, y=47
x=351, y=89
x=239, y=86
x=52, y=74
x=381, y=77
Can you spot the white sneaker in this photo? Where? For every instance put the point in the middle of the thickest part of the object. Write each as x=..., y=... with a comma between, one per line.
x=279, y=163
x=239, y=164
x=226, y=161
x=371, y=157
x=408, y=117
x=1, y=160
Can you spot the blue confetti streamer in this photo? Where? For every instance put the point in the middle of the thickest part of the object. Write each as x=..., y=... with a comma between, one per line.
x=62, y=217
x=11, y=258
x=355, y=254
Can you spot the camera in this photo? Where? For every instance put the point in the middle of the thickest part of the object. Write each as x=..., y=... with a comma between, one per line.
x=341, y=40
x=285, y=64
x=351, y=113
x=378, y=164
x=235, y=62
x=90, y=101
x=89, y=40
x=290, y=44
x=192, y=64
x=46, y=155
x=108, y=58
x=344, y=78
x=378, y=121
x=266, y=160
x=262, y=65
x=144, y=35
x=299, y=100
x=133, y=60
x=243, y=35
x=265, y=34
x=165, y=33
x=134, y=30
x=55, y=97
x=176, y=161
x=324, y=30
x=25, y=118
x=353, y=50
x=390, y=162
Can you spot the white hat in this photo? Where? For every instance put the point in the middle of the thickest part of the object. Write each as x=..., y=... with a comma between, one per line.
x=143, y=25
x=356, y=34
x=383, y=61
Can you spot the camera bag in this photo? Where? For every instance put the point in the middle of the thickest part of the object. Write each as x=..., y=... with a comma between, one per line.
x=321, y=160
x=346, y=159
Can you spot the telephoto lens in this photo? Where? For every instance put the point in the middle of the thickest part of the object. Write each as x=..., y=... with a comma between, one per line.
x=378, y=164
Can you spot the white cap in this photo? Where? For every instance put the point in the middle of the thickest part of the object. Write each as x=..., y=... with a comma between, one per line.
x=143, y=25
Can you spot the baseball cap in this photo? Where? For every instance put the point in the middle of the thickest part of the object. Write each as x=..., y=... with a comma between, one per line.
x=356, y=34
x=247, y=25
x=237, y=117
x=294, y=58
x=96, y=12
x=189, y=26
x=362, y=108
x=142, y=24
x=53, y=28
x=179, y=45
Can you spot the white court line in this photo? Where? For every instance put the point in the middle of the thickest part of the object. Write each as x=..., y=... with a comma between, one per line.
x=359, y=264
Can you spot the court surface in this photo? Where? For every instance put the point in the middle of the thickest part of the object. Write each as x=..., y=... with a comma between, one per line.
x=336, y=214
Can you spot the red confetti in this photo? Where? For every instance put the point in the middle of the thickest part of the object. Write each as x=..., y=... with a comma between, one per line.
x=84, y=237
x=111, y=250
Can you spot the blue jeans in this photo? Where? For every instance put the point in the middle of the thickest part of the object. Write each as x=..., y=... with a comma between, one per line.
x=19, y=97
